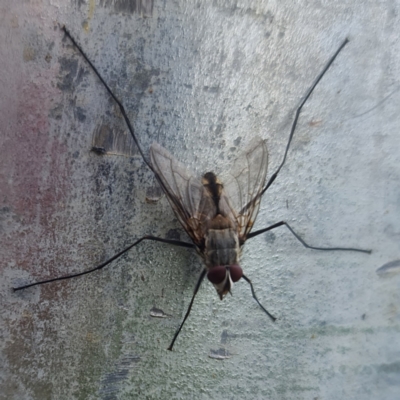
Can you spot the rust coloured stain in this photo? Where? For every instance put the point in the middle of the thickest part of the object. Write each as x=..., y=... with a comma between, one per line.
x=315, y=122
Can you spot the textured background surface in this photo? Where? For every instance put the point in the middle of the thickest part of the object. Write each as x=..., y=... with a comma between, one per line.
x=202, y=80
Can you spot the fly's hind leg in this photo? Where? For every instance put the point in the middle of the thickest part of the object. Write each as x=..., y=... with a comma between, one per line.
x=294, y=124
x=120, y=105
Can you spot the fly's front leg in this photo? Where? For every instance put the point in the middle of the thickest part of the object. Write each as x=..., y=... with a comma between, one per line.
x=256, y=299
x=196, y=289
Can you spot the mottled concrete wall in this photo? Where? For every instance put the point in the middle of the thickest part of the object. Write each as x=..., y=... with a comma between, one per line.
x=201, y=79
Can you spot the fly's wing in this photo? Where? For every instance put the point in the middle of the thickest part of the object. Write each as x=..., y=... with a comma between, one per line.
x=244, y=185
x=190, y=201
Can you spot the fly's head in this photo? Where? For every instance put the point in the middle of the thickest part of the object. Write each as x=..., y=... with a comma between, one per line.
x=223, y=277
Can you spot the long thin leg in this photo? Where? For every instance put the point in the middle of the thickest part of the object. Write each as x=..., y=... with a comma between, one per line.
x=105, y=263
x=255, y=297
x=196, y=289
x=308, y=94
x=100, y=150
x=256, y=233
x=128, y=122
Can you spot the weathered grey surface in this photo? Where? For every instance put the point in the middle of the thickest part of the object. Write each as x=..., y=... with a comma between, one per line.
x=202, y=79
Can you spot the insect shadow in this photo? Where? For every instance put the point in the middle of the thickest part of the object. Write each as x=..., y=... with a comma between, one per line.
x=218, y=217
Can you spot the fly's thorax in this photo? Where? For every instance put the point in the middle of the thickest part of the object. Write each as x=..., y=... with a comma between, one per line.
x=221, y=254
x=221, y=245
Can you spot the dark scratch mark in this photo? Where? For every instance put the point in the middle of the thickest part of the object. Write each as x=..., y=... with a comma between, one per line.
x=113, y=381
x=377, y=105
x=157, y=313
x=392, y=267
x=220, y=354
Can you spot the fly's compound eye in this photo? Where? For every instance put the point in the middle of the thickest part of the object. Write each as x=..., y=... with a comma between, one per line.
x=236, y=272
x=217, y=274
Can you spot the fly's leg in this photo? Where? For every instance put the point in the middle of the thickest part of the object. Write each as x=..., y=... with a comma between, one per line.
x=255, y=298
x=281, y=223
x=278, y=224
x=196, y=289
x=308, y=94
x=105, y=263
x=121, y=107
x=273, y=177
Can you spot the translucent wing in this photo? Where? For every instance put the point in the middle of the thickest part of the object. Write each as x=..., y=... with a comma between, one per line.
x=190, y=201
x=243, y=186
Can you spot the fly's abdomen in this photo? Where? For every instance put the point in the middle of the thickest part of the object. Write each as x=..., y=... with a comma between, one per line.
x=221, y=247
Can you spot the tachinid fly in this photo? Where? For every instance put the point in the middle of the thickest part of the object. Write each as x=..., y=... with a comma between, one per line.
x=217, y=215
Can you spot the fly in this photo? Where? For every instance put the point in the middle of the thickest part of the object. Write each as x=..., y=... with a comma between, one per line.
x=217, y=215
